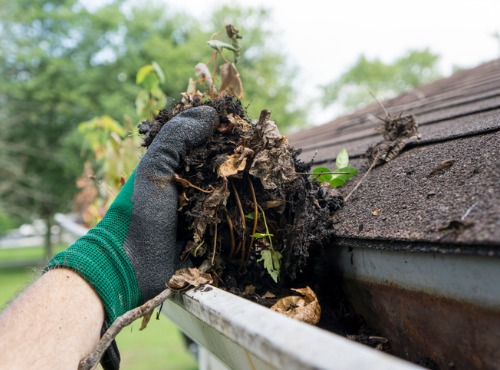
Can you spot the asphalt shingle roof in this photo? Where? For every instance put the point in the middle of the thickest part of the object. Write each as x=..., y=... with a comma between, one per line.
x=456, y=209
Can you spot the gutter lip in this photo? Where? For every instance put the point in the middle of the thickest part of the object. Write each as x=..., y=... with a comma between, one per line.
x=483, y=249
x=276, y=340
x=469, y=279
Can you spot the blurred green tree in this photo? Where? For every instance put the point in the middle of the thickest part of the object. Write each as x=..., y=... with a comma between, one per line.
x=385, y=80
x=62, y=63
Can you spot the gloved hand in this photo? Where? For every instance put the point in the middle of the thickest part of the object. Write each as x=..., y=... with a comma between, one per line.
x=130, y=255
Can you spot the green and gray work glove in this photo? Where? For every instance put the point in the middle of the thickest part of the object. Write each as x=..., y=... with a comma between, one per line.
x=130, y=255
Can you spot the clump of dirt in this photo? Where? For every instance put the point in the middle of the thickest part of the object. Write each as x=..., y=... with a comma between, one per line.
x=247, y=203
x=245, y=194
x=396, y=132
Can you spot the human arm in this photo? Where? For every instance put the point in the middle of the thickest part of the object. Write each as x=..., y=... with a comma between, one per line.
x=130, y=255
x=52, y=324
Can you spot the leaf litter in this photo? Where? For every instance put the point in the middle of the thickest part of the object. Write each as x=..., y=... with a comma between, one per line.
x=249, y=208
x=249, y=205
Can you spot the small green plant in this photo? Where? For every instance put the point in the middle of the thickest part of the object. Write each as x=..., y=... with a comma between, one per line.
x=270, y=256
x=340, y=175
x=230, y=81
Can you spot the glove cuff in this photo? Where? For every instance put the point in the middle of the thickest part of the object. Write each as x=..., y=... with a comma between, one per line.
x=100, y=259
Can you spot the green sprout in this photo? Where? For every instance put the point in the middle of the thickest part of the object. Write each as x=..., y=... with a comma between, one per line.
x=340, y=175
x=270, y=257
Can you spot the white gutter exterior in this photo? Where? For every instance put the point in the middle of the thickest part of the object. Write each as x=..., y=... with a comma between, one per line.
x=242, y=335
x=246, y=336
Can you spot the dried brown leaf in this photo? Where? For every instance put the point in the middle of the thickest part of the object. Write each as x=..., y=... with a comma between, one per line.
x=397, y=131
x=188, y=277
x=268, y=295
x=304, y=308
x=239, y=122
x=231, y=166
x=145, y=320
x=235, y=163
x=442, y=166
x=208, y=210
x=201, y=70
x=274, y=165
x=231, y=82
x=249, y=289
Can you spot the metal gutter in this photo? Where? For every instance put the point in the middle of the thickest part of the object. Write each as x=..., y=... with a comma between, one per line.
x=238, y=334
x=439, y=310
x=467, y=278
x=246, y=336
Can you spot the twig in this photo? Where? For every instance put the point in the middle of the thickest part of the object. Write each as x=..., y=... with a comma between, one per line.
x=215, y=245
x=267, y=229
x=256, y=218
x=93, y=358
x=231, y=232
x=464, y=216
x=379, y=103
x=243, y=221
x=362, y=179
x=323, y=173
x=187, y=184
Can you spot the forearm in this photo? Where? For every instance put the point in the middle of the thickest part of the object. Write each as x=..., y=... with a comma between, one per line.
x=52, y=325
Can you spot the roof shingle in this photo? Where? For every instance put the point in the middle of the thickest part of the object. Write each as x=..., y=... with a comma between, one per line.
x=457, y=209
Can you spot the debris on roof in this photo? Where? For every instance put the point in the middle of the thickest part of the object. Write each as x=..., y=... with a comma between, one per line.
x=443, y=189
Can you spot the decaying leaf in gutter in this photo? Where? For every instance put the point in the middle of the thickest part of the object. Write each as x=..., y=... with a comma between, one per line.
x=269, y=295
x=189, y=277
x=304, y=308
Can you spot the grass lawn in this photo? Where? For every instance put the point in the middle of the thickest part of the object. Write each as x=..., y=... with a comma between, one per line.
x=159, y=346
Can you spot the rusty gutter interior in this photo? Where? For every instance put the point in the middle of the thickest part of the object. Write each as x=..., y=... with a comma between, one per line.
x=439, y=310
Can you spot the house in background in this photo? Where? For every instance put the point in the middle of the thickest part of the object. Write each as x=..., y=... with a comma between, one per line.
x=418, y=242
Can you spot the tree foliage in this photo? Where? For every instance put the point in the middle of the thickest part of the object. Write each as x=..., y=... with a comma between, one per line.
x=352, y=89
x=63, y=64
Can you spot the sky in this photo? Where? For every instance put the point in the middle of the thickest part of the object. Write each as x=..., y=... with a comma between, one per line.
x=325, y=37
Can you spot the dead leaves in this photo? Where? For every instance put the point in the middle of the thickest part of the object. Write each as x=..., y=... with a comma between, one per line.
x=201, y=70
x=274, y=164
x=376, y=211
x=397, y=131
x=188, y=277
x=304, y=308
x=208, y=211
x=235, y=163
x=441, y=167
x=182, y=279
x=231, y=82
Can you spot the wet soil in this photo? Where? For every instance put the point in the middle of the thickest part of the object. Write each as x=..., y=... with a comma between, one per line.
x=245, y=192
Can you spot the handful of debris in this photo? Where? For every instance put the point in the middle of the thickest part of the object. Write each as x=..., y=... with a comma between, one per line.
x=246, y=202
